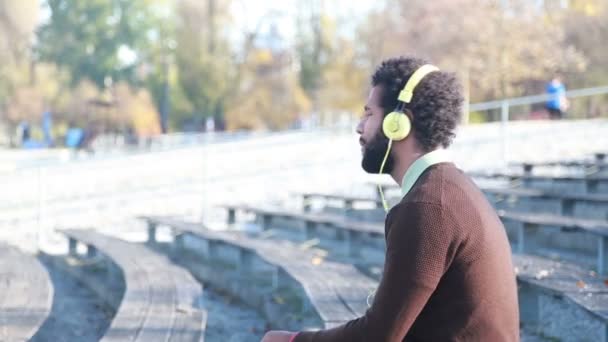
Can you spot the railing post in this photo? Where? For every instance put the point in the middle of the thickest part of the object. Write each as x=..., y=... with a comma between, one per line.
x=231, y=215
x=504, y=120
x=152, y=231
x=306, y=203
x=72, y=246
x=602, y=255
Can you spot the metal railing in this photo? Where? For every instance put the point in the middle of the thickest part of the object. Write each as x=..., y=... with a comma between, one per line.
x=116, y=146
x=505, y=105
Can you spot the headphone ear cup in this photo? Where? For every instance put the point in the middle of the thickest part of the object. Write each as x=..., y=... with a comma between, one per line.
x=396, y=126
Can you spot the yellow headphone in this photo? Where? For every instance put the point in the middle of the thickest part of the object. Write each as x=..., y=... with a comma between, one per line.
x=397, y=125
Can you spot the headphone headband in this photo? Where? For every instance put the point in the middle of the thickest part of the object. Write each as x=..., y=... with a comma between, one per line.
x=407, y=93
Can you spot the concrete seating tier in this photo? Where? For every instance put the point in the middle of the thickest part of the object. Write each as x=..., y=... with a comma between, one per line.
x=26, y=294
x=557, y=299
x=592, y=206
x=161, y=300
x=561, y=300
x=591, y=184
x=314, y=225
x=270, y=274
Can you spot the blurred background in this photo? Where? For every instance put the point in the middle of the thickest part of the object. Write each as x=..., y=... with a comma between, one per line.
x=113, y=109
x=114, y=87
x=137, y=69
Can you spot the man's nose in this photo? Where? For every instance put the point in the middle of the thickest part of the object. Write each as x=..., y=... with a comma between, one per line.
x=360, y=127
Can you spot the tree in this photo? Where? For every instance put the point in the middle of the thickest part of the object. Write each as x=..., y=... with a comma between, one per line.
x=498, y=46
x=586, y=30
x=204, y=59
x=18, y=21
x=310, y=44
x=329, y=70
x=96, y=39
x=139, y=109
x=344, y=79
x=36, y=88
x=110, y=42
x=213, y=66
x=269, y=96
x=586, y=27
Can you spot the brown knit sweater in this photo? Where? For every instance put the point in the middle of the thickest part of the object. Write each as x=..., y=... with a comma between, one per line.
x=448, y=274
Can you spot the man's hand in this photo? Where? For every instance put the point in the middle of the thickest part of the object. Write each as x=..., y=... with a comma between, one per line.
x=278, y=336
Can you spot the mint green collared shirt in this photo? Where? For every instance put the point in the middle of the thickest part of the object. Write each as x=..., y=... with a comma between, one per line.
x=420, y=165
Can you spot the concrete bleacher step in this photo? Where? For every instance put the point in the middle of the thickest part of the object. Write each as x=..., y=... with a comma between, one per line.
x=597, y=164
x=591, y=206
x=591, y=184
x=161, y=302
x=579, y=239
x=557, y=299
x=266, y=214
x=26, y=294
x=561, y=300
x=541, y=281
x=74, y=302
x=317, y=225
x=536, y=230
x=274, y=276
x=575, y=237
x=577, y=299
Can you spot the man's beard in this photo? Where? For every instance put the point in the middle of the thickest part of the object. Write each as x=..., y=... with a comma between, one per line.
x=373, y=154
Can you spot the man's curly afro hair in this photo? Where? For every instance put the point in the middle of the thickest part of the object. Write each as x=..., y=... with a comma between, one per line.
x=436, y=106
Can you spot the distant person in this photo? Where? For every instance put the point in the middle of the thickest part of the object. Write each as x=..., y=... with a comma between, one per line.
x=89, y=135
x=448, y=273
x=557, y=105
x=47, y=128
x=131, y=138
x=27, y=142
x=210, y=124
x=23, y=132
x=74, y=137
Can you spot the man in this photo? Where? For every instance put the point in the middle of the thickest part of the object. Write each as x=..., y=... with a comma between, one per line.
x=557, y=103
x=448, y=274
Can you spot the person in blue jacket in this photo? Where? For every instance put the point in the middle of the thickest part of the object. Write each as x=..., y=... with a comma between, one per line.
x=557, y=104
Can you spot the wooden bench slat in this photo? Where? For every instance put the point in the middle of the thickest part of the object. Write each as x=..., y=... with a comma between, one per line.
x=334, y=220
x=568, y=281
x=597, y=227
x=528, y=229
x=160, y=299
x=537, y=193
x=339, y=197
x=27, y=294
x=556, y=275
x=592, y=177
x=572, y=283
x=596, y=303
x=324, y=284
x=189, y=325
x=596, y=167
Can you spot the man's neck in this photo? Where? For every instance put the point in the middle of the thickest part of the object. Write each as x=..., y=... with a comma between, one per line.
x=402, y=164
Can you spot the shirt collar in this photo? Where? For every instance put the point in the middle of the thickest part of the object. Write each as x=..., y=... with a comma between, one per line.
x=420, y=165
